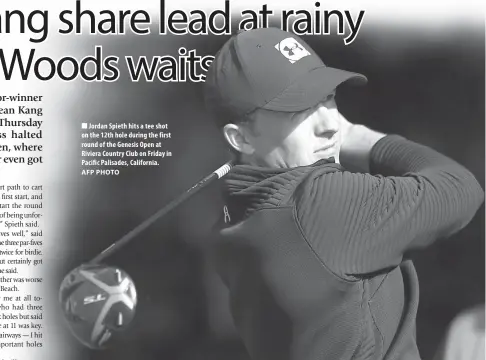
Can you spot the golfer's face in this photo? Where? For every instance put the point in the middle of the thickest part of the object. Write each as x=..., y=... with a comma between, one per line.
x=289, y=140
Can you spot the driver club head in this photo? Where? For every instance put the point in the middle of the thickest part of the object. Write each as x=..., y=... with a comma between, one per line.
x=98, y=302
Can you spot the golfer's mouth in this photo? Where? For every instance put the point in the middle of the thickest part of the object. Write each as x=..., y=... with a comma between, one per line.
x=326, y=149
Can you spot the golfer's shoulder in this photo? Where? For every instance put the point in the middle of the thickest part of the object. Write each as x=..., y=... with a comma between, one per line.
x=327, y=175
x=316, y=178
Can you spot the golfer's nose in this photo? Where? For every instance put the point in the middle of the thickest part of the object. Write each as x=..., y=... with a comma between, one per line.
x=326, y=122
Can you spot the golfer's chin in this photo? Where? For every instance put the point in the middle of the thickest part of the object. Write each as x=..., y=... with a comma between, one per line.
x=328, y=155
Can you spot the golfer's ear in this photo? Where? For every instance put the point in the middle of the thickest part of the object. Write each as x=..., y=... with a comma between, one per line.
x=237, y=137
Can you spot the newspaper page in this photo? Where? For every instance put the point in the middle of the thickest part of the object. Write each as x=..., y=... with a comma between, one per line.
x=176, y=180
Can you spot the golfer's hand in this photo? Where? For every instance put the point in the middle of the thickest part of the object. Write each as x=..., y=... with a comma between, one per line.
x=356, y=143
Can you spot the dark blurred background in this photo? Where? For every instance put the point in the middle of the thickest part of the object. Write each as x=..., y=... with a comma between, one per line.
x=429, y=88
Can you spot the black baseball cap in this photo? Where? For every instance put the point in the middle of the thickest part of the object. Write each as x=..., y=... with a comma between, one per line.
x=268, y=69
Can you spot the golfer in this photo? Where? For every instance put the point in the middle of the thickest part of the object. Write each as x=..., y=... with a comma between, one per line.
x=319, y=211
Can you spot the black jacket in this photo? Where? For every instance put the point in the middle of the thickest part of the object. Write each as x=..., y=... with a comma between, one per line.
x=313, y=256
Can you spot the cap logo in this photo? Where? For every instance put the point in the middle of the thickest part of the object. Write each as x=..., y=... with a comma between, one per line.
x=292, y=49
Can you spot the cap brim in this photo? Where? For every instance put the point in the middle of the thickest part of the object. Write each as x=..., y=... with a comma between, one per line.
x=310, y=89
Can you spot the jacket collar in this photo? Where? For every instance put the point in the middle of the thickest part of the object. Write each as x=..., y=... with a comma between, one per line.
x=247, y=187
x=242, y=177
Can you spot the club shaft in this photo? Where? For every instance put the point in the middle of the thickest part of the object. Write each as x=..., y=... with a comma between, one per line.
x=217, y=174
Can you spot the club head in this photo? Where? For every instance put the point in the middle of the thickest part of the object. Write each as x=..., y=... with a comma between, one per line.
x=98, y=302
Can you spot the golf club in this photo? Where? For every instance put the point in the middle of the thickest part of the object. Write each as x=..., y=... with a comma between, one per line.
x=99, y=301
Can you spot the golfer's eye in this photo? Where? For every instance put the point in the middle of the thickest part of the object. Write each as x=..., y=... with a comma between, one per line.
x=330, y=101
x=330, y=97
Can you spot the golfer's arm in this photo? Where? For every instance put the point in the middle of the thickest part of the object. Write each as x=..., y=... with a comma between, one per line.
x=444, y=194
x=359, y=223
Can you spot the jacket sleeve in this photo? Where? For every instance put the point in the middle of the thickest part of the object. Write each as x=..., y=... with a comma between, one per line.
x=361, y=223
